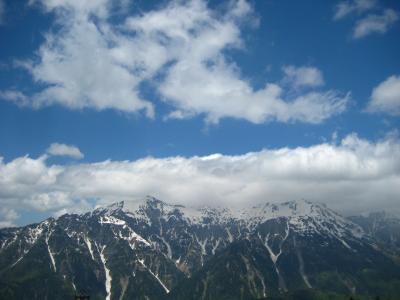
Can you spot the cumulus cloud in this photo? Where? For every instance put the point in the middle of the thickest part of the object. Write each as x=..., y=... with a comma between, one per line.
x=88, y=61
x=76, y=62
x=345, y=8
x=375, y=23
x=195, y=90
x=57, y=149
x=353, y=175
x=385, y=97
x=202, y=81
x=303, y=76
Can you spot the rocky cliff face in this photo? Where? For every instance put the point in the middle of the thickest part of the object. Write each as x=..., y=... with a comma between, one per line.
x=159, y=251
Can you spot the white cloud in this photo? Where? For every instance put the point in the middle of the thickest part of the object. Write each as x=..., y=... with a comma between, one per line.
x=303, y=76
x=77, y=64
x=57, y=149
x=345, y=8
x=354, y=175
x=179, y=48
x=202, y=81
x=386, y=97
x=375, y=23
x=218, y=92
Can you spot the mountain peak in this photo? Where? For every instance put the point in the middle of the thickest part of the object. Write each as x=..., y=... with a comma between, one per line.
x=152, y=201
x=113, y=207
x=116, y=205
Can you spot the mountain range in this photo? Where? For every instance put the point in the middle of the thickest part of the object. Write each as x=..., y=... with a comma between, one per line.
x=293, y=250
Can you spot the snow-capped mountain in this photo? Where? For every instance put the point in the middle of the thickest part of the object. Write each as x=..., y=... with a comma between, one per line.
x=156, y=250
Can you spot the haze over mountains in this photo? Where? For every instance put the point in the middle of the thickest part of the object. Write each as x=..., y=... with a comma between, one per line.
x=292, y=250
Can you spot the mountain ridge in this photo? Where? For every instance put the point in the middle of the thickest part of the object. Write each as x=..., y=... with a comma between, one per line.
x=157, y=249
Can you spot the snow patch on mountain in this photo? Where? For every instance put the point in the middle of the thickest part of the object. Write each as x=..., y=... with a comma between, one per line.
x=106, y=271
x=141, y=261
x=132, y=237
x=53, y=262
x=89, y=246
x=111, y=220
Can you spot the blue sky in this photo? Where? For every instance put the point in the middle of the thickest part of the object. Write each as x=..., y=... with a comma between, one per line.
x=109, y=92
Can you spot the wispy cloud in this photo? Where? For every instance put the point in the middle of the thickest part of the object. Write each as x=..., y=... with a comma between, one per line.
x=345, y=8
x=14, y=96
x=351, y=175
x=180, y=48
x=372, y=18
x=375, y=23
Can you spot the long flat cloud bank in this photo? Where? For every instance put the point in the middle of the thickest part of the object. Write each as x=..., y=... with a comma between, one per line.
x=352, y=176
